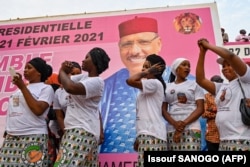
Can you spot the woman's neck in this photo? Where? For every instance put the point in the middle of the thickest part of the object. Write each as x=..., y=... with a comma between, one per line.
x=180, y=80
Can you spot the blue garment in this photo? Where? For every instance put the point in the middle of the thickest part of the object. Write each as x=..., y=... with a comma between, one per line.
x=118, y=112
x=203, y=122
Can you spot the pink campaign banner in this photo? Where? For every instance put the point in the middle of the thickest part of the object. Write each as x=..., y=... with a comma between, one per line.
x=61, y=38
x=118, y=160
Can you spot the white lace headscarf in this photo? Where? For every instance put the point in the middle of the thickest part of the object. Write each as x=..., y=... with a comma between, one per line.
x=176, y=64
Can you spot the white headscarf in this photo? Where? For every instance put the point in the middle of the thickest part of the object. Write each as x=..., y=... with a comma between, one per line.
x=176, y=64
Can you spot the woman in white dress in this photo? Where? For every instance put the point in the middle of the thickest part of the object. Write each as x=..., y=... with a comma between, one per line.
x=150, y=124
x=27, y=135
x=234, y=135
x=182, y=108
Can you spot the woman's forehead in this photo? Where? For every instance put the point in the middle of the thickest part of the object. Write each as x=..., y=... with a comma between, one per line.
x=185, y=62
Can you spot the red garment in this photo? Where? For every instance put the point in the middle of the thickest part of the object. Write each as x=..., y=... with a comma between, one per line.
x=52, y=148
x=212, y=133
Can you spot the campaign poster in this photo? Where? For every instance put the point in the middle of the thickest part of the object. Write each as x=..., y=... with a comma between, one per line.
x=70, y=37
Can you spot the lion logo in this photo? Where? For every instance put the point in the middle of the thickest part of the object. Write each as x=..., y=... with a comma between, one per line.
x=187, y=23
x=33, y=154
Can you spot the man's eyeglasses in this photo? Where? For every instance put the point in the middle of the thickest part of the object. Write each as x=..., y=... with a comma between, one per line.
x=141, y=43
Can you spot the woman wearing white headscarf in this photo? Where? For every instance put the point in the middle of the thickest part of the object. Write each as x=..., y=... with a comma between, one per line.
x=184, y=104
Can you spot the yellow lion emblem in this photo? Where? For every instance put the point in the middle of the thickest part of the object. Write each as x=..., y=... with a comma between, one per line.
x=187, y=23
